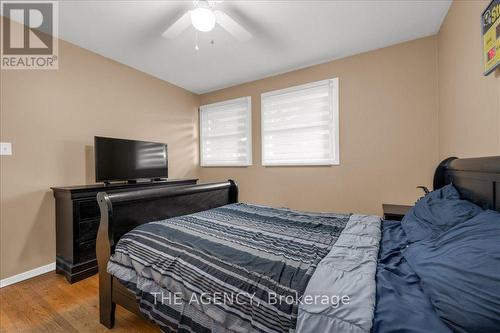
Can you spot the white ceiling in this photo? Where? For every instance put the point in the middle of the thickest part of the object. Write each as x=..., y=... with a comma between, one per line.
x=287, y=35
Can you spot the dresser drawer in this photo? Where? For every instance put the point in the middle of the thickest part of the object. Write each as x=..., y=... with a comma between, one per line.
x=86, y=250
x=88, y=209
x=87, y=230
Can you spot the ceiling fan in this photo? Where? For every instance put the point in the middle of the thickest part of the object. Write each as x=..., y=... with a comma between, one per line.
x=204, y=18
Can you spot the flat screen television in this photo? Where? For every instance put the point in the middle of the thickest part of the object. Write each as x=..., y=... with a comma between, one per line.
x=120, y=159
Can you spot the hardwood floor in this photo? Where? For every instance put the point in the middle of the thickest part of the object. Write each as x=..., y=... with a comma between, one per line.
x=47, y=303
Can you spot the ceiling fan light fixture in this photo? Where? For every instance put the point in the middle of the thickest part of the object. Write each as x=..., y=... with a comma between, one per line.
x=203, y=19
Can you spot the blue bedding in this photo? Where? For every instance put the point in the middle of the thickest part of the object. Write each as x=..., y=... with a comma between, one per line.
x=222, y=269
x=401, y=305
x=436, y=213
x=460, y=272
x=439, y=268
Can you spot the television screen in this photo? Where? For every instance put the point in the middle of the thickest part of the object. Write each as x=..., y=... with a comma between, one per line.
x=120, y=159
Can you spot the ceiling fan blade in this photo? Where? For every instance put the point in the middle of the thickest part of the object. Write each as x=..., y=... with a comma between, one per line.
x=233, y=27
x=178, y=26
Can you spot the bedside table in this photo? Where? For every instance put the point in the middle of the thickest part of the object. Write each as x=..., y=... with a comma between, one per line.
x=395, y=212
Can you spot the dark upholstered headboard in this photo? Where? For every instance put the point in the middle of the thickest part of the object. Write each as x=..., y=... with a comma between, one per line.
x=477, y=179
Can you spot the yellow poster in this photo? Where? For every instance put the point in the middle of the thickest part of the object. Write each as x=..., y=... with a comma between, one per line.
x=491, y=36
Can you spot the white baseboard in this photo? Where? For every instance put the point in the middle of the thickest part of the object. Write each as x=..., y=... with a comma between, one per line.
x=27, y=275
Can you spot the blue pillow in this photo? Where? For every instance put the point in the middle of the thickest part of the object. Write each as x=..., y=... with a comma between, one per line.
x=460, y=272
x=446, y=192
x=437, y=212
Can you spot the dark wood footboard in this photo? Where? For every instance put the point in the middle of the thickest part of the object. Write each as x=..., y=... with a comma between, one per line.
x=122, y=212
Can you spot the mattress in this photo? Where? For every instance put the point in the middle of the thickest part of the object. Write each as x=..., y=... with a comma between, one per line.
x=186, y=271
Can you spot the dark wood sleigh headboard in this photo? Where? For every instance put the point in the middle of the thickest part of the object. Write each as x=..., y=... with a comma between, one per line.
x=123, y=211
x=477, y=179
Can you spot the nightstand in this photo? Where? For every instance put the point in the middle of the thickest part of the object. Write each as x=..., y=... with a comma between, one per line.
x=395, y=212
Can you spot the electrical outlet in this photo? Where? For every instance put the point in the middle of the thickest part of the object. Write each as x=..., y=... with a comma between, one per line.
x=5, y=148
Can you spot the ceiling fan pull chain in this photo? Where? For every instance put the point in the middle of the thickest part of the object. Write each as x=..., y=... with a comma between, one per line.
x=196, y=47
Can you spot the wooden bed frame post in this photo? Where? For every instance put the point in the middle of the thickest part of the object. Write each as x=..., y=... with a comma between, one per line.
x=233, y=192
x=104, y=249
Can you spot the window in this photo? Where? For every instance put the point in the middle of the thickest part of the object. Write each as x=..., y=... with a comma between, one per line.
x=300, y=125
x=226, y=133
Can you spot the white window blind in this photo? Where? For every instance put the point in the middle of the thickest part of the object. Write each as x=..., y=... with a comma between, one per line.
x=226, y=133
x=300, y=125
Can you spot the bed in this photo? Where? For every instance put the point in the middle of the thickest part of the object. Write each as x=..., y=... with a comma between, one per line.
x=224, y=266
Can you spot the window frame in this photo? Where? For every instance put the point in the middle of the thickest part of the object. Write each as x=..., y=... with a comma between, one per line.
x=334, y=125
x=248, y=163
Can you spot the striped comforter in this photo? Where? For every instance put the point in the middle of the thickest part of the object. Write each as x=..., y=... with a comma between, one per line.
x=236, y=268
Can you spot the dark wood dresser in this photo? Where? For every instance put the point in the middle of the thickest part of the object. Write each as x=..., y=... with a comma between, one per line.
x=77, y=221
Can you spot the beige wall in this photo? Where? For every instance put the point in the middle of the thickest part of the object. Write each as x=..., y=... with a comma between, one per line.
x=51, y=118
x=388, y=134
x=469, y=103
x=402, y=109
